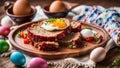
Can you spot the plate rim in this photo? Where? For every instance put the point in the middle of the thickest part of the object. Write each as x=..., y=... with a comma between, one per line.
x=15, y=45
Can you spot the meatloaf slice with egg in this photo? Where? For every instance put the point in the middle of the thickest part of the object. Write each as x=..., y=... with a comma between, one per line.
x=37, y=33
x=73, y=40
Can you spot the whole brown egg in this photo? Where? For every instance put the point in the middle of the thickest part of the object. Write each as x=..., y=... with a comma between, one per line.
x=21, y=7
x=57, y=6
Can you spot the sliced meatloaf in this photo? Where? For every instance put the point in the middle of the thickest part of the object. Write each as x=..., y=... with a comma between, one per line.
x=38, y=34
x=46, y=45
x=49, y=46
x=76, y=26
x=73, y=39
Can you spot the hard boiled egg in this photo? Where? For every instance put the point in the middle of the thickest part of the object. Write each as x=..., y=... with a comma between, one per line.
x=87, y=33
x=55, y=24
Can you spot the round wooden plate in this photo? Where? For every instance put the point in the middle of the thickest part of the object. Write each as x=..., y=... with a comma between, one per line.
x=18, y=44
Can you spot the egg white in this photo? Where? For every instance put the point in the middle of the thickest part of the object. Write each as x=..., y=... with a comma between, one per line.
x=87, y=33
x=50, y=27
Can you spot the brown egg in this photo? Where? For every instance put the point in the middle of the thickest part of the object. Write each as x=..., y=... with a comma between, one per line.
x=57, y=6
x=21, y=7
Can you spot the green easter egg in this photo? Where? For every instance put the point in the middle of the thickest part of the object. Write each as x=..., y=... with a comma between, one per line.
x=4, y=46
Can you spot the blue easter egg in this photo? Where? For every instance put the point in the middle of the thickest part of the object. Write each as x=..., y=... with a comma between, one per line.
x=17, y=58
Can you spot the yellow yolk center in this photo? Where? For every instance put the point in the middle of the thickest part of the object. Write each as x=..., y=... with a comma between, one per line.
x=60, y=23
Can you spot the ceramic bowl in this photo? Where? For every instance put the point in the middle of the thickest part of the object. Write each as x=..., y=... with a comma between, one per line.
x=63, y=14
x=20, y=19
x=54, y=14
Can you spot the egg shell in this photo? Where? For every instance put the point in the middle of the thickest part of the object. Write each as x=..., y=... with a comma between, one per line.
x=57, y=6
x=4, y=46
x=6, y=21
x=98, y=54
x=21, y=7
x=38, y=63
x=87, y=33
x=17, y=58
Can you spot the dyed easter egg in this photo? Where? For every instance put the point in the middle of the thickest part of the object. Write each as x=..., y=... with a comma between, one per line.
x=17, y=58
x=4, y=46
x=38, y=63
x=4, y=30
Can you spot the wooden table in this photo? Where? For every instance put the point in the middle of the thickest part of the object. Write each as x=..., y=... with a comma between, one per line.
x=111, y=55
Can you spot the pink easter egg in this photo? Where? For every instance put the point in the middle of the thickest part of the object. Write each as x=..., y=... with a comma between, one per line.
x=4, y=30
x=38, y=63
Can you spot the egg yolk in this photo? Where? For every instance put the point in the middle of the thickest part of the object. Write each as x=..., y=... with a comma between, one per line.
x=60, y=23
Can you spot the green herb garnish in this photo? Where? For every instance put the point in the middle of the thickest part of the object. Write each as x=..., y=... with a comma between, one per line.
x=18, y=34
x=70, y=46
x=46, y=23
x=116, y=62
x=95, y=38
x=88, y=28
x=50, y=20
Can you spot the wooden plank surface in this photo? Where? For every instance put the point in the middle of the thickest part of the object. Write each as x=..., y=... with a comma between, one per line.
x=111, y=55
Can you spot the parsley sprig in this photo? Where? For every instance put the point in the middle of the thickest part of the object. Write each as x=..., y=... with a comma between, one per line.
x=115, y=63
x=87, y=27
x=50, y=20
x=18, y=34
x=70, y=46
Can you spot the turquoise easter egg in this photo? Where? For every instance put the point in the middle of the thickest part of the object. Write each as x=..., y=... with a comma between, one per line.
x=17, y=58
x=4, y=46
